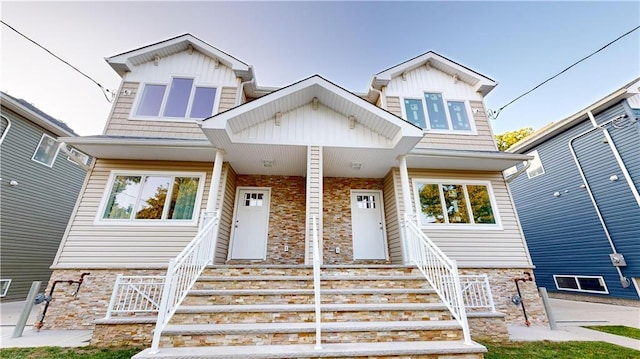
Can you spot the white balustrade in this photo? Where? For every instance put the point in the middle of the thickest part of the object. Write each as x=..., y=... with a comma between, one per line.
x=135, y=294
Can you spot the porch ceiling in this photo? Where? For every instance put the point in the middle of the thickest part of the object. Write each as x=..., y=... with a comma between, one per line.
x=463, y=160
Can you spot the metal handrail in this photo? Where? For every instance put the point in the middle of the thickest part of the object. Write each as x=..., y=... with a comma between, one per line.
x=182, y=273
x=440, y=271
x=135, y=294
x=476, y=292
x=316, y=283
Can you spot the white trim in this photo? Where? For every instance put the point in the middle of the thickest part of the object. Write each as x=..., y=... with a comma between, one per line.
x=80, y=155
x=636, y=284
x=6, y=287
x=575, y=277
x=382, y=219
x=235, y=214
x=428, y=129
x=461, y=226
x=99, y=221
x=57, y=149
x=535, y=160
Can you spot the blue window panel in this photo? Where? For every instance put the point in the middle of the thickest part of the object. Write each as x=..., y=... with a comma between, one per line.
x=151, y=100
x=459, y=118
x=178, y=100
x=435, y=109
x=203, y=102
x=415, y=113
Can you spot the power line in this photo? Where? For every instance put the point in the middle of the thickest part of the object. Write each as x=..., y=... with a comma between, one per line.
x=104, y=90
x=494, y=114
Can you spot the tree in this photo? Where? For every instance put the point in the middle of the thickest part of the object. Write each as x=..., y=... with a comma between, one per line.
x=509, y=138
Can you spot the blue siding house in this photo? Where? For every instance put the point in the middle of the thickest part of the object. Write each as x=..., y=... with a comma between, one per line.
x=578, y=200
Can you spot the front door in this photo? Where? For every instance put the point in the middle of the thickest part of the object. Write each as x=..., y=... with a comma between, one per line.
x=250, y=224
x=367, y=225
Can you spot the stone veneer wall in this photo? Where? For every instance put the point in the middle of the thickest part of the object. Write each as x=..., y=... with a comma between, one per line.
x=286, y=216
x=91, y=302
x=337, y=216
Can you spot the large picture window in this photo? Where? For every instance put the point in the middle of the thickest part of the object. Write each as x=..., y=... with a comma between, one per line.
x=455, y=203
x=153, y=197
x=184, y=99
x=46, y=151
x=454, y=117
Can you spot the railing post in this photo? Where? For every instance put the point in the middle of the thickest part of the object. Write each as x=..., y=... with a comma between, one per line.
x=462, y=311
x=487, y=287
x=316, y=284
x=169, y=283
x=114, y=295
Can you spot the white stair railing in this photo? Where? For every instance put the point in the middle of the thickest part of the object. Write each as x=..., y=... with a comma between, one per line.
x=476, y=292
x=182, y=273
x=316, y=283
x=135, y=294
x=440, y=271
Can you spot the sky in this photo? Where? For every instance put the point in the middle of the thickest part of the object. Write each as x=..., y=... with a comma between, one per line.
x=517, y=44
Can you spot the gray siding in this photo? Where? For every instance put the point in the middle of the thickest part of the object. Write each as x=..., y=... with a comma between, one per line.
x=34, y=214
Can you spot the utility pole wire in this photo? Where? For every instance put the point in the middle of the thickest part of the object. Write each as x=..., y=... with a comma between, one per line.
x=104, y=91
x=494, y=114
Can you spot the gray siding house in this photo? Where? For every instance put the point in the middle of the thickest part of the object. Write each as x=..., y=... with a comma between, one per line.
x=579, y=201
x=39, y=184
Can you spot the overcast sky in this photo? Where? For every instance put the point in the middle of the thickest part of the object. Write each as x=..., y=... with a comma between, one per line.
x=518, y=44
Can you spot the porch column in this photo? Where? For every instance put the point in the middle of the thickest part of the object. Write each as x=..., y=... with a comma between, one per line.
x=314, y=200
x=212, y=200
x=406, y=201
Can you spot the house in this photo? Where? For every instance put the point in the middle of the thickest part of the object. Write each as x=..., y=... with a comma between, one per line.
x=583, y=185
x=39, y=186
x=221, y=194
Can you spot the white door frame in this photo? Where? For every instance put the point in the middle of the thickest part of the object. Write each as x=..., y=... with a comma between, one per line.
x=235, y=214
x=382, y=215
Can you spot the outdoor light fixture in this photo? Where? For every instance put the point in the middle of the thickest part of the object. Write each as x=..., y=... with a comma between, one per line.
x=556, y=194
x=278, y=118
x=314, y=103
x=352, y=122
x=356, y=165
x=267, y=163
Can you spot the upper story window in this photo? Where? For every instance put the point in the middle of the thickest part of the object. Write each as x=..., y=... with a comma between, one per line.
x=183, y=99
x=456, y=203
x=83, y=157
x=430, y=113
x=46, y=151
x=535, y=169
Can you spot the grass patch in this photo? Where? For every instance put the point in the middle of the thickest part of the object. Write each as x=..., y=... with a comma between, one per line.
x=558, y=350
x=621, y=330
x=87, y=352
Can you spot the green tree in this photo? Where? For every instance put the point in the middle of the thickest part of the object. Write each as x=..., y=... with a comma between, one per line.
x=509, y=138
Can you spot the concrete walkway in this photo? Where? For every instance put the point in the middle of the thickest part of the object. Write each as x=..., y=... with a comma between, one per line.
x=570, y=316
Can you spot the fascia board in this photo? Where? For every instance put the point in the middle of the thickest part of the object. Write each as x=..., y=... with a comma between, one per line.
x=34, y=117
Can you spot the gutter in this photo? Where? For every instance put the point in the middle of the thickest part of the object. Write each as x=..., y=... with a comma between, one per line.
x=520, y=171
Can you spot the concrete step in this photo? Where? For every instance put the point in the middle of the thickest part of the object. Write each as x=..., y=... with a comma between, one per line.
x=193, y=335
x=389, y=350
x=306, y=282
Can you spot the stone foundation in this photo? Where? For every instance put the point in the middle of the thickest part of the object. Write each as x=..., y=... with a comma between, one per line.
x=488, y=327
x=138, y=332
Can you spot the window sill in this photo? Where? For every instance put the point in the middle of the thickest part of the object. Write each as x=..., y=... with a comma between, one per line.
x=150, y=223
x=450, y=132
x=164, y=119
x=462, y=227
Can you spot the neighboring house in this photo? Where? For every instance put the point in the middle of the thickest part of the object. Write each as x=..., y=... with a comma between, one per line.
x=191, y=132
x=578, y=201
x=39, y=186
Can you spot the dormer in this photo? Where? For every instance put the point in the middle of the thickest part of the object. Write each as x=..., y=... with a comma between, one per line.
x=169, y=85
x=440, y=96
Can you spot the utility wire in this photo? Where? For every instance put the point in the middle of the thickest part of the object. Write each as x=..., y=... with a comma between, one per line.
x=494, y=114
x=104, y=90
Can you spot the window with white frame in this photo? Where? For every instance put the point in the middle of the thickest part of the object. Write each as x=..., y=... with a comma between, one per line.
x=431, y=113
x=152, y=197
x=510, y=171
x=535, y=169
x=457, y=203
x=4, y=286
x=46, y=151
x=84, y=158
x=574, y=283
x=183, y=99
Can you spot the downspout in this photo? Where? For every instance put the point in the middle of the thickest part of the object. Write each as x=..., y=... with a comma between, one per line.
x=241, y=89
x=520, y=171
x=623, y=280
x=6, y=130
x=63, y=147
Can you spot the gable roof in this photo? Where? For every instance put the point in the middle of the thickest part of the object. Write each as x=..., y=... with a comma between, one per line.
x=481, y=83
x=125, y=61
x=552, y=129
x=36, y=115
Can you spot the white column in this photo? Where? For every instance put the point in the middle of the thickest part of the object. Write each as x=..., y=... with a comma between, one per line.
x=215, y=182
x=406, y=201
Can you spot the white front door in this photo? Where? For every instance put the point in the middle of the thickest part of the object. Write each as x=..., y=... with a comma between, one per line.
x=367, y=225
x=250, y=224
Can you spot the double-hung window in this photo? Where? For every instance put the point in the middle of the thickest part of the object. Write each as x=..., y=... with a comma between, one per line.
x=152, y=198
x=182, y=99
x=433, y=112
x=46, y=151
x=442, y=202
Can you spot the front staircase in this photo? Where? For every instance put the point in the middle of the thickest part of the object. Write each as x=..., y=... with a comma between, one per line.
x=372, y=311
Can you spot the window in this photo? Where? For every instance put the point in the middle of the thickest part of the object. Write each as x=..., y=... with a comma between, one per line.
x=589, y=284
x=510, y=171
x=153, y=198
x=448, y=202
x=183, y=97
x=46, y=151
x=453, y=117
x=4, y=286
x=536, y=168
x=84, y=158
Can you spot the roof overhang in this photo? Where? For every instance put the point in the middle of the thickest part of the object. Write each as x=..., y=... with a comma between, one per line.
x=34, y=117
x=463, y=160
x=159, y=149
x=481, y=83
x=126, y=61
x=552, y=129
